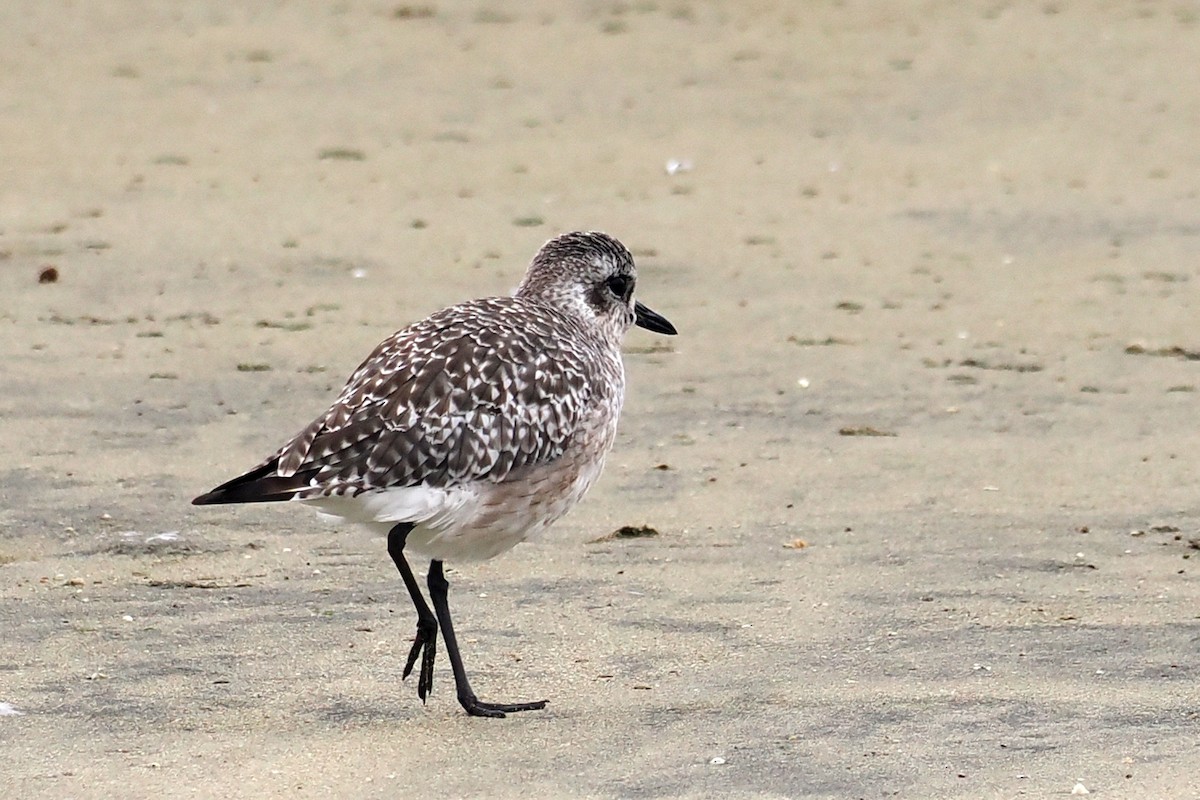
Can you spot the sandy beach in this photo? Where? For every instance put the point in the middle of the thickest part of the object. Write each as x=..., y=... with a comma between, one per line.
x=922, y=462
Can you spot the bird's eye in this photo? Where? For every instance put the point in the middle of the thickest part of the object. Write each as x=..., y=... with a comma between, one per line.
x=620, y=285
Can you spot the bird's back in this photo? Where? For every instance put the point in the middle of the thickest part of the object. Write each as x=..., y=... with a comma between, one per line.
x=474, y=393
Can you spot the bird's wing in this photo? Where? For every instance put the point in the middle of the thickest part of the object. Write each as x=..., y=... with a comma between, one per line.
x=461, y=396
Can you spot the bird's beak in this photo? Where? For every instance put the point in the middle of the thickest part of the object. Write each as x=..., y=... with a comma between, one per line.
x=651, y=321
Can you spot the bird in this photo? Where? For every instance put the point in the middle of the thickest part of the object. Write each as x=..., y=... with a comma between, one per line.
x=464, y=433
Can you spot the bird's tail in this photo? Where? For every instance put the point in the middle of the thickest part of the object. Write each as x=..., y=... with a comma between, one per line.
x=260, y=485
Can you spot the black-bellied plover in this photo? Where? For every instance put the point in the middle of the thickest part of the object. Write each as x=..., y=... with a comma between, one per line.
x=464, y=433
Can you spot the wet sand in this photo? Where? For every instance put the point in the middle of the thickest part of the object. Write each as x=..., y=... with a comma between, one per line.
x=922, y=460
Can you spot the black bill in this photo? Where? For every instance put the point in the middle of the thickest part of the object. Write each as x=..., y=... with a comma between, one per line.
x=651, y=321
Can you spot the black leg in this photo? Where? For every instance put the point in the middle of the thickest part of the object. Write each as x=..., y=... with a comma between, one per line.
x=438, y=590
x=426, y=638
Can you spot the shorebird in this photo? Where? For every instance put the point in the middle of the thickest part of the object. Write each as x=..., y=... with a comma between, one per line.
x=466, y=432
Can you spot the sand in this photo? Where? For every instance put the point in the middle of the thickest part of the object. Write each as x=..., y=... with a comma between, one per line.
x=922, y=461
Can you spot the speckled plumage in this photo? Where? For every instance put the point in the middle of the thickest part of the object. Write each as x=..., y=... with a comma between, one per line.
x=481, y=423
x=470, y=393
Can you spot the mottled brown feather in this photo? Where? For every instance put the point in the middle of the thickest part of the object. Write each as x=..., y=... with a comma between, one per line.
x=486, y=393
x=467, y=394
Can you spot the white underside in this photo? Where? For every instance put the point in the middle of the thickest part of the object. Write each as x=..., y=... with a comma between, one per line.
x=465, y=523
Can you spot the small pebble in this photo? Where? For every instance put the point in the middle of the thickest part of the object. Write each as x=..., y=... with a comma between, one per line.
x=674, y=166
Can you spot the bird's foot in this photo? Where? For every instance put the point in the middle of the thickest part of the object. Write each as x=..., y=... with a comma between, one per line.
x=478, y=708
x=424, y=645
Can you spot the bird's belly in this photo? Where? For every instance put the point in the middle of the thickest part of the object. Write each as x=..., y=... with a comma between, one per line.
x=476, y=521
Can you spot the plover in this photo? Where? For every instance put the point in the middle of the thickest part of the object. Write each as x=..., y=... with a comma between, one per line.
x=466, y=432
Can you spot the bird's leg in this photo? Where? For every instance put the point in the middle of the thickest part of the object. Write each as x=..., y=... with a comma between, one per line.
x=426, y=638
x=438, y=588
